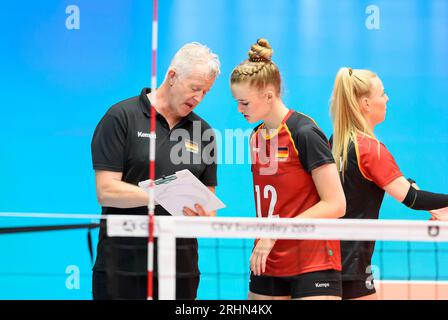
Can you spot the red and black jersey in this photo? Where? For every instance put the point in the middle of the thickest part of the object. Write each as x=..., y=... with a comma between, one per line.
x=370, y=167
x=282, y=162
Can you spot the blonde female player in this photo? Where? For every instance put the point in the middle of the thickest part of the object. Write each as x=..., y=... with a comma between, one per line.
x=367, y=170
x=294, y=176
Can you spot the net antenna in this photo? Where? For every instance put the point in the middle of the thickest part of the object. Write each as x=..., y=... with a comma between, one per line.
x=152, y=150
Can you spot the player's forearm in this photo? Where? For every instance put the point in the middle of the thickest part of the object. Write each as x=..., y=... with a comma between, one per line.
x=120, y=194
x=332, y=198
x=424, y=200
x=332, y=209
x=411, y=195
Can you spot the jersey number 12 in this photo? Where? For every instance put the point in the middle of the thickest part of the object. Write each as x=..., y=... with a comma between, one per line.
x=267, y=189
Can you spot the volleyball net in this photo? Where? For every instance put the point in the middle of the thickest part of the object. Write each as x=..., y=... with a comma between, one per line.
x=410, y=259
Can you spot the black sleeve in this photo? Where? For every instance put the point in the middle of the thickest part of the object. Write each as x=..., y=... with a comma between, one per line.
x=424, y=200
x=108, y=144
x=314, y=149
x=209, y=175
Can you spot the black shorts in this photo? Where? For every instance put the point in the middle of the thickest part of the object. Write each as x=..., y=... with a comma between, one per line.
x=352, y=289
x=135, y=287
x=319, y=283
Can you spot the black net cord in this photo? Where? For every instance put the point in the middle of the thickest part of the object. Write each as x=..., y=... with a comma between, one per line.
x=10, y=230
x=436, y=286
x=90, y=244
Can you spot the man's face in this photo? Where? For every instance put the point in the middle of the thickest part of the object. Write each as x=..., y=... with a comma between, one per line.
x=188, y=90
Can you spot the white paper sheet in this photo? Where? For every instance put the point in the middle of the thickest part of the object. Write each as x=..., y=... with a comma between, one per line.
x=181, y=190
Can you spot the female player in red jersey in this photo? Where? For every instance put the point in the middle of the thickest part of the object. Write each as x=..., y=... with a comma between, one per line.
x=367, y=171
x=294, y=176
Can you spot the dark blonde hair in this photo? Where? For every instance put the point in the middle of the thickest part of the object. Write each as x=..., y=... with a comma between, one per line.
x=258, y=70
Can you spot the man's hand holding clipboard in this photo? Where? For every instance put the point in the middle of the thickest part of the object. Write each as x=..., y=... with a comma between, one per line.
x=183, y=194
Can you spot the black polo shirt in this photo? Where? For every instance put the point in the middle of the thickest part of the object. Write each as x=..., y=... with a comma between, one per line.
x=121, y=144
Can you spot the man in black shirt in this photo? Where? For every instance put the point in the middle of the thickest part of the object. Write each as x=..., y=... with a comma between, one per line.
x=120, y=154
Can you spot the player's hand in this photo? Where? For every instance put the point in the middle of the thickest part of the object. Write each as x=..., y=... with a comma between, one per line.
x=260, y=255
x=199, y=211
x=439, y=214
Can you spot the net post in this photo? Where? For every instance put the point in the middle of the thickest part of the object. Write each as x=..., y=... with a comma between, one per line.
x=152, y=150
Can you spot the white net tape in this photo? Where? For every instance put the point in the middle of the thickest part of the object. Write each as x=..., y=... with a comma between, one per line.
x=167, y=229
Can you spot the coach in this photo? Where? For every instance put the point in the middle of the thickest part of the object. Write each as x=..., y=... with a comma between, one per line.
x=120, y=148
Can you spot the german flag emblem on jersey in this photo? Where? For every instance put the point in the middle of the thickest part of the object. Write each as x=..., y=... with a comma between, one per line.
x=191, y=146
x=282, y=153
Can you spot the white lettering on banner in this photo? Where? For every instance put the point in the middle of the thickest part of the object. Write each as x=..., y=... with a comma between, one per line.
x=292, y=228
x=123, y=226
x=287, y=228
x=132, y=225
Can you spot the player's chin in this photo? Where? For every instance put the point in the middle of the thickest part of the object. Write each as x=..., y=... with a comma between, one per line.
x=380, y=119
x=250, y=119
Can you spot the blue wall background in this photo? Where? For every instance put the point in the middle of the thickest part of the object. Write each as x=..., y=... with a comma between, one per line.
x=57, y=83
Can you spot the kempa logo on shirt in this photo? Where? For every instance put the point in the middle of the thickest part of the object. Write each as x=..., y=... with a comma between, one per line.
x=322, y=285
x=142, y=134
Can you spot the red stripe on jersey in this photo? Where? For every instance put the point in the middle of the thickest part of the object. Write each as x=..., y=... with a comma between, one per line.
x=375, y=162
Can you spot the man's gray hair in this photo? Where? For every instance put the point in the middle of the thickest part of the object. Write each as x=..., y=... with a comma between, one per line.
x=194, y=54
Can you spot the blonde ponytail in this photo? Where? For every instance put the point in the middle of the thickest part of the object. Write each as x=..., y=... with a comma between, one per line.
x=349, y=86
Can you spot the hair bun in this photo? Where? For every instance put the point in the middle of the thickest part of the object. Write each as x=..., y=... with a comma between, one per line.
x=261, y=51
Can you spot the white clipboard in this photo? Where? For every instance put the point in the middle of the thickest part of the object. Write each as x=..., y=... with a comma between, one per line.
x=180, y=190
